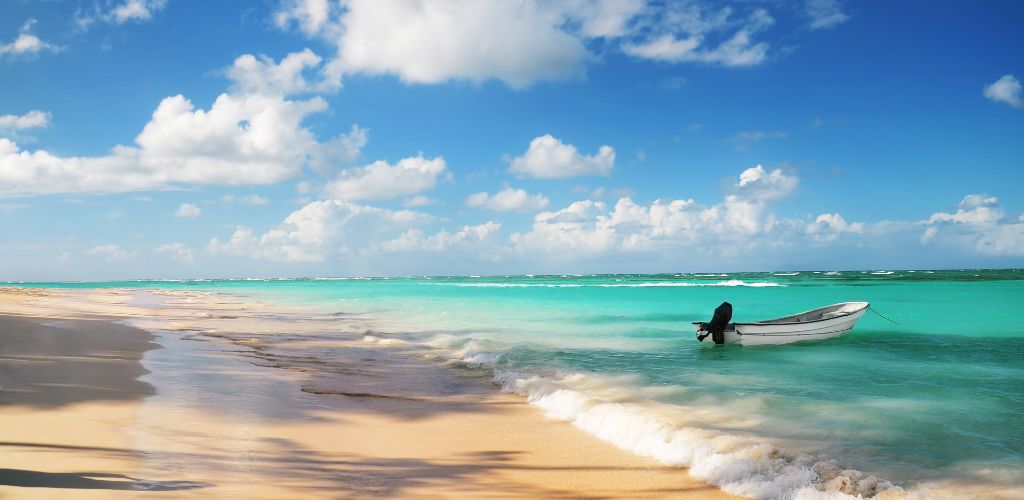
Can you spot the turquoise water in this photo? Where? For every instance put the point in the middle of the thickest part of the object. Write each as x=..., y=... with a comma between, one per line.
x=933, y=402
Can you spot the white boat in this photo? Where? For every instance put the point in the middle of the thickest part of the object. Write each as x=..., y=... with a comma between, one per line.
x=817, y=324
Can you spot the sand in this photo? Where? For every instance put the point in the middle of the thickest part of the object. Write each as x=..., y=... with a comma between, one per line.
x=199, y=406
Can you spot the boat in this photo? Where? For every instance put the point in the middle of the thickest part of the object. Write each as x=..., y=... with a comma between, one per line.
x=817, y=324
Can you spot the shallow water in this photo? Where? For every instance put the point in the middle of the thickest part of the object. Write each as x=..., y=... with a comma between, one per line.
x=930, y=404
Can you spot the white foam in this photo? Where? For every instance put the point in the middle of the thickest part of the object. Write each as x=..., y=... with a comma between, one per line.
x=652, y=284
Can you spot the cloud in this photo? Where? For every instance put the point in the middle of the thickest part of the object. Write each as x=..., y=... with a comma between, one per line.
x=682, y=35
x=828, y=227
x=589, y=227
x=112, y=252
x=759, y=185
x=974, y=209
x=27, y=44
x=312, y=16
x=32, y=119
x=824, y=13
x=177, y=251
x=249, y=199
x=977, y=224
x=418, y=201
x=261, y=75
x=242, y=139
x=549, y=158
x=317, y=231
x=382, y=181
x=188, y=211
x=415, y=240
x=519, y=43
x=1006, y=90
x=508, y=200
x=119, y=12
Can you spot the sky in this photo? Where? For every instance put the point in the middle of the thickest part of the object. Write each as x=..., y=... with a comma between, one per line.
x=289, y=138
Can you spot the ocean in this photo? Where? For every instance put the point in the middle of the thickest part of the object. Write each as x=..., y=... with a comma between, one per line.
x=930, y=404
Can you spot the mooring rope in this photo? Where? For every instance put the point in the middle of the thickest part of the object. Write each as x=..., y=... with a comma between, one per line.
x=883, y=317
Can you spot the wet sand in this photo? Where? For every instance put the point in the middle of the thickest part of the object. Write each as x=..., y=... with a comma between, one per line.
x=203, y=405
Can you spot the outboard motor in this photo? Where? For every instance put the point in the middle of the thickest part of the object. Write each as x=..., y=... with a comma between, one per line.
x=716, y=328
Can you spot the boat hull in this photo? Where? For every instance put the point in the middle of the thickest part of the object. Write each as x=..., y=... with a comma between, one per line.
x=776, y=332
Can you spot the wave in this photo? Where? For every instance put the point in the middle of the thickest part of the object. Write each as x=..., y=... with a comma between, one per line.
x=653, y=284
x=619, y=410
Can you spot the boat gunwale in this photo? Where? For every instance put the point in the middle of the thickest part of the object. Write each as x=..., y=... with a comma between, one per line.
x=770, y=322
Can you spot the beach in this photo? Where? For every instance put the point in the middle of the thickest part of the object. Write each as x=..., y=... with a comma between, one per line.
x=115, y=392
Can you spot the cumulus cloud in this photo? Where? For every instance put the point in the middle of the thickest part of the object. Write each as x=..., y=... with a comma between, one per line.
x=317, y=231
x=508, y=200
x=32, y=119
x=1006, y=90
x=520, y=43
x=112, y=252
x=312, y=16
x=262, y=75
x=382, y=181
x=978, y=224
x=418, y=201
x=242, y=139
x=589, y=227
x=188, y=211
x=443, y=241
x=550, y=158
x=433, y=41
x=828, y=227
x=177, y=251
x=824, y=13
x=760, y=185
x=974, y=209
x=27, y=44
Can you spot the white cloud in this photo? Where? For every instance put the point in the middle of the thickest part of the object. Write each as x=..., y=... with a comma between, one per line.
x=682, y=38
x=520, y=42
x=242, y=139
x=177, y=251
x=974, y=209
x=27, y=44
x=188, y=211
x=442, y=241
x=112, y=252
x=120, y=12
x=381, y=181
x=977, y=224
x=32, y=119
x=588, y=227
x=418, y=201
x=550, y=158
x=508, y=200
x=1006, y=90
x=824, y=13
x=828, y=227
x=759, y=185
x=249, y=199
x=433, y=41
x=261, y=75
x=317, y=231
x=312, y=16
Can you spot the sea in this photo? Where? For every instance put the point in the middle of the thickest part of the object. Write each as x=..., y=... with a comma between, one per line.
x=924, y=397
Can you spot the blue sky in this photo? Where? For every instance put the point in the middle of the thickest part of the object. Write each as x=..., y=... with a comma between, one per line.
x=170, y=138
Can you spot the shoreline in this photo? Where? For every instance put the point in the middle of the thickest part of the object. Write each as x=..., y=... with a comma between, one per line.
x=226, y=420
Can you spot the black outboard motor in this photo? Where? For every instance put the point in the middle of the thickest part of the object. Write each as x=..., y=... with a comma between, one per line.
x=716, y=328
